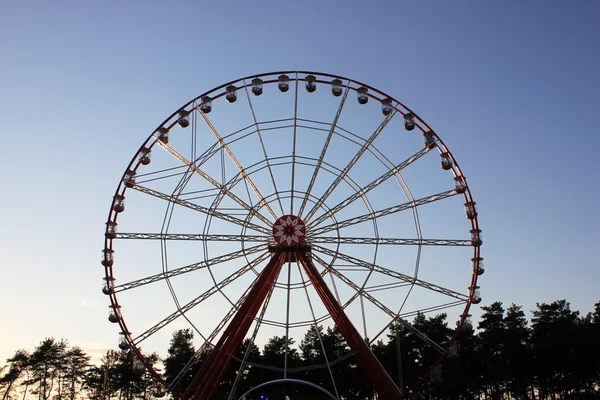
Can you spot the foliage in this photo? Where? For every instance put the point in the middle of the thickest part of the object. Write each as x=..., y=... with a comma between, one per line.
x=180, y=352
x=555, y=357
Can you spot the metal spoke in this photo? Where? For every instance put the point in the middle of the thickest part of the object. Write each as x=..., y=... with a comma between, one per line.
x=312, y=311
x=414, y=313
x=324, y=150
x=198, y=300
x=294, y=147
x=165, y=173
x=195, y=168
x=348, y=167
x=240, y=169
x=259, y=319
x=386, y=286
x=189, y=268
x=381, y=213
x=364, y=294
x=205, y=210
x=315, y=240
x=392, y=273
x=366, y=189
x=193, y=236
x=208, y=340
x=387, y=241
x=287, y=320
x=262, y=143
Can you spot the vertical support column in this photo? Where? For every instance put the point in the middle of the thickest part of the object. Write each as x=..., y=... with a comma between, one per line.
x=381, y=381
x=208, y=379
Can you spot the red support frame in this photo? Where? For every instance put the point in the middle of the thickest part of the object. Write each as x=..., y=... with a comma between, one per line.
x=381, y=381
x=207, y=381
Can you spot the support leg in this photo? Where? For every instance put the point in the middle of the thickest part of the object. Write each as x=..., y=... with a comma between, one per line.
x=207, y=380
x=382, y=383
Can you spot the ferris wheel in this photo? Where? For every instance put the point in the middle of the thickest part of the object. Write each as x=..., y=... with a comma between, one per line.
x=284, y=201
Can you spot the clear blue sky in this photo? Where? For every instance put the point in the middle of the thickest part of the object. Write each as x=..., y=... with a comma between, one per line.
x=512, y=87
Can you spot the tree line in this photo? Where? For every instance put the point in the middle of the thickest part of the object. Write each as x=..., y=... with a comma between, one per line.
x=554, y=356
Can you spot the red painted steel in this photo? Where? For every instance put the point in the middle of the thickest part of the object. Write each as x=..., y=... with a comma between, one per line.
x=289, y=230
x=208, y=379
x=220, y=368
x=382, y=383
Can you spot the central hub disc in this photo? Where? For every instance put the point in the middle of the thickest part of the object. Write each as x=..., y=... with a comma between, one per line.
x=289, y=230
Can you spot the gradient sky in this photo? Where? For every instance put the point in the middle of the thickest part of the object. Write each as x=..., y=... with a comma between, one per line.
x=512, y=87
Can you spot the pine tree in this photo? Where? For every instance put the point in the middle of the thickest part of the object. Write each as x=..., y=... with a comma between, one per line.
x=553, y=335
x=181, y=351
x=18, y=365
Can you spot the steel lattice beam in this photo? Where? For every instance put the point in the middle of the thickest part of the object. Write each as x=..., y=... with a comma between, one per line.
x=382, y=213
x=366, y=189
x=205, y=210
x=392, y=273
x=310, y=239
x=198, y=300
x=189, y=268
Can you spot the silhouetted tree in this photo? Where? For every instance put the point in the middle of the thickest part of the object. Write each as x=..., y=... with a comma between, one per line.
x=240, y=379
x=45, y=364
x=558, y=358
x=17, y=367
x=462, y=368
x=491, y=327
x=273, y=355
x=517, y=374
x=180, y=352
x=553, y=337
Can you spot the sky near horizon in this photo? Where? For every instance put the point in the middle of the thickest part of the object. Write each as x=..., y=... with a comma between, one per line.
x=512, y=88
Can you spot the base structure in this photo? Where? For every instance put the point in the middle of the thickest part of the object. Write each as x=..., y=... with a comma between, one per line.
x=208, y=379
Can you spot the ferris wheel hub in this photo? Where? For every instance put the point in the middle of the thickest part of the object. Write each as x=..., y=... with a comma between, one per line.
x=289, y=230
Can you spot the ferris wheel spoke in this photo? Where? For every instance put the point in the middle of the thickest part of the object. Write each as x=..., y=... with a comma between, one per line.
x=366, y=295
x=391, y=273
x=366, y=189
x=435, y=308
x=386, y=241
x=294, y=138
x=348, y=167
x=189, y=268
x=205, y=210
x=203, y=297
x=324, y=150
x=414, y=313
x=208, y=341
x=241, y=170
x=328, y=269
x=192, y=237
x=195, y=168
x=315, y=324
x=382, y=213
x=252, y=339
x=161, y=174
x=264, y=149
